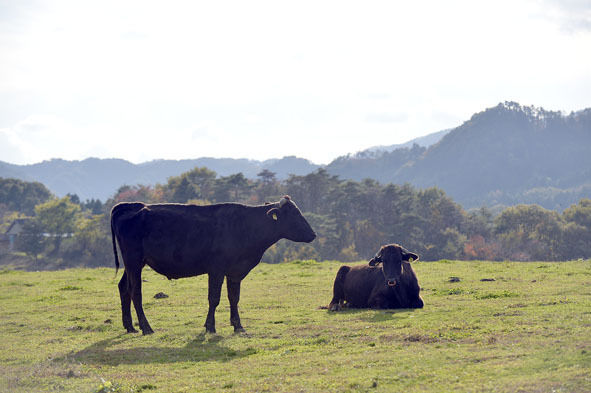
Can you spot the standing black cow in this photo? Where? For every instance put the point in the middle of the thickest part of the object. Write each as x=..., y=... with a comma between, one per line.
x=176, y=240
x=392, y=285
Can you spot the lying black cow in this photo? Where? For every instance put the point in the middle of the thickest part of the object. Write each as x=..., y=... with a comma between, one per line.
x=392, y=285
x=223, y=240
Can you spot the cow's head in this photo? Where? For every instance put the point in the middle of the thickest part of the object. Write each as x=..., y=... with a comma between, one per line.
x=290, y=222
x=391, y=257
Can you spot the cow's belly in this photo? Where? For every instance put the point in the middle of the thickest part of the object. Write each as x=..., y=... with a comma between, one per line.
x=184, y=260
x=174, y=270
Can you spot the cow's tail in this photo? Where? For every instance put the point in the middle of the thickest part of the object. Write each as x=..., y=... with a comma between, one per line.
x=114, y=242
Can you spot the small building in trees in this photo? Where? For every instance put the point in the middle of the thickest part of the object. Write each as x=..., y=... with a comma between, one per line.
x=14, y=230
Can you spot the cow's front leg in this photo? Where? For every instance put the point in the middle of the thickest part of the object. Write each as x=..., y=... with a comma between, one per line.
x=214, y=292
x=234, y=298
x=378, y=299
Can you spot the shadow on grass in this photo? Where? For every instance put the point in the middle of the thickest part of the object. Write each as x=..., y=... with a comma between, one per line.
x=374, y=315
x=199, y=349
x=388, y=315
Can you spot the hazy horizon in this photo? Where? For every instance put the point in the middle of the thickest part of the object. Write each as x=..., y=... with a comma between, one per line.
x=142, y=81
x=375, y=147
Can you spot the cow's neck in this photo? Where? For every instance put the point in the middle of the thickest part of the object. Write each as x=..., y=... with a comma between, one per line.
x=265, y=228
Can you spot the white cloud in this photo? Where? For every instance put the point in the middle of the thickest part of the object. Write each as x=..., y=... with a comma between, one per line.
x=571, y=15
x=40, y=137
x=386, y=117
x=11, y=149
x=143, y=80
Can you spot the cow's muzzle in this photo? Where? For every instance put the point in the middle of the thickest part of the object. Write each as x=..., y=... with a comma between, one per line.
x=391, y=283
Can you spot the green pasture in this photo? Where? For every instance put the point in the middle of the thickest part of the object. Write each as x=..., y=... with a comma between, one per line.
x=527, y=328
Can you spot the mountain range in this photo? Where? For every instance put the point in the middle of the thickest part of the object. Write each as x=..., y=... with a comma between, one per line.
x=100, y=178
x=424, y=141
x=504, y=155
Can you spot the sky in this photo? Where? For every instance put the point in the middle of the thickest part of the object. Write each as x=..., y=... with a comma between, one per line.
x=143, y=80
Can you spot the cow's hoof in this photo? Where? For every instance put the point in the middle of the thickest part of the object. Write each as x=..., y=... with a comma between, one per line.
x=334, y=307
x=145, y=332
x=210, y=330
x=239, y=330
x=131, y=330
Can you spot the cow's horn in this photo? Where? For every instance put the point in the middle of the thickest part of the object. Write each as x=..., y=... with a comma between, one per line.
x=284, y=200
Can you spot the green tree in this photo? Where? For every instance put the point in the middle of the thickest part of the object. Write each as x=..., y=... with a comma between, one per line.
x=576, y=242
x=312, y=191
x=235, y=188
x=239, y=186
x=267, y=186
x=580, y=213
x=395, y=213
x=530, y=232
x=203, y=179
x=57, y=218
x=327, y=243
x=184, y=191
x=198, y=183
x=32, y=240
x=21, y=196
x=91, y=244
x=480, y=222
x=137, y=193
x=95, y=206
x=74, y=198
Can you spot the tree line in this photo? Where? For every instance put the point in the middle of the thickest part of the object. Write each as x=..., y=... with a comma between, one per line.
x=352, y=219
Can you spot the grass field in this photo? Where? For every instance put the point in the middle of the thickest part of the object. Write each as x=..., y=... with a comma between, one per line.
x=529, y=330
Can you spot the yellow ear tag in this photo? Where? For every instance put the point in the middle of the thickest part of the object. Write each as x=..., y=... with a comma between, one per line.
x=410, y=260
x=274, y=216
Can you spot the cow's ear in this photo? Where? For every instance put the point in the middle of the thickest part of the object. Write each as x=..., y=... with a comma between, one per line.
x=374, y=261
x=410, y=256
x=273, y=214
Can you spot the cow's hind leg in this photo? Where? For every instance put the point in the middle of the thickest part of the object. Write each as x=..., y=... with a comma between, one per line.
x=125, y=295
x=135, y=281
x=214, y=293
x=234, y=298
x=338, y=298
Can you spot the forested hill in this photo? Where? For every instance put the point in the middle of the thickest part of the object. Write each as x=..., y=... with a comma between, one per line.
x=507, y=154
x=101, y=178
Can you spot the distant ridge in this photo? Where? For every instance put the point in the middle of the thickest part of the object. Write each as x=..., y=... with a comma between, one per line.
x=100, y=178
x=504, y=155
x=423, y=141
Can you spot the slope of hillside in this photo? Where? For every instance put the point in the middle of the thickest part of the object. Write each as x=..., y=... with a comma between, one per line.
x=505, y=151
x=504, y=155
x=100, y=178
x=507, y=154
x=423, y=141
x=382, y=166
